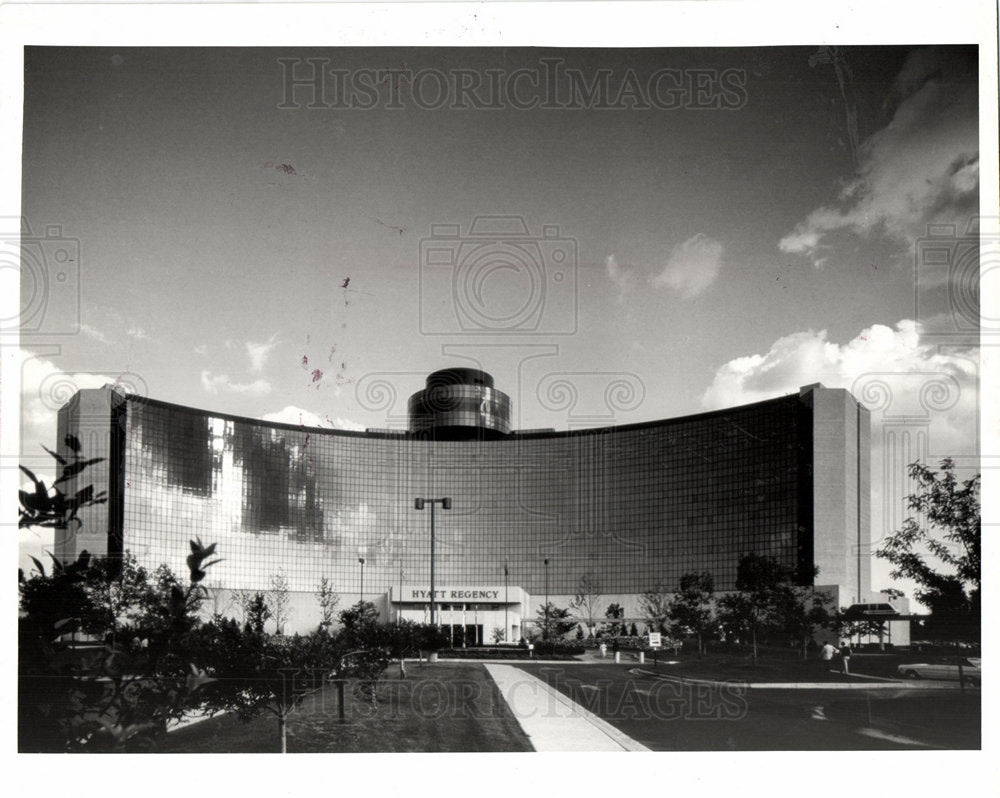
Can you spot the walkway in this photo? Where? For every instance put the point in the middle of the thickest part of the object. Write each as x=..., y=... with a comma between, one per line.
x=552, y=721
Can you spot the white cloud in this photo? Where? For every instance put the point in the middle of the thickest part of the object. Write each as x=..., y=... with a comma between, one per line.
x=201, y=349
x=259, y=353
x=806, y=357
x=922, y=168
x=692, y=266
x=305, y=418
x=44, y=389
x=93, y=332
x=137, y=333
x=214, y=383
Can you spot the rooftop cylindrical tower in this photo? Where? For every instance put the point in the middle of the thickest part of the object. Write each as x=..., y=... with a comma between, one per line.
x=460, y=404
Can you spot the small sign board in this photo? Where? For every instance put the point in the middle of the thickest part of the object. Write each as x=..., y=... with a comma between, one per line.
x=655, y=640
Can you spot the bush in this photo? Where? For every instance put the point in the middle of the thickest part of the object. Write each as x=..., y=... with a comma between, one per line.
x=558, y=647
x=510, y=652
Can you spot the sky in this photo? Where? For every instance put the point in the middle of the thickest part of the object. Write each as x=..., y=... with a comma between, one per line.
x=617, y=235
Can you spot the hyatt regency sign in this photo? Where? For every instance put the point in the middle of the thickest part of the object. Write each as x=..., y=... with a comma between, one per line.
x=487, y=594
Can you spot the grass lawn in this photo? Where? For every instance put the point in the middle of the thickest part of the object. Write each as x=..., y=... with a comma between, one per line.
x=740, y=667
x=440, y=707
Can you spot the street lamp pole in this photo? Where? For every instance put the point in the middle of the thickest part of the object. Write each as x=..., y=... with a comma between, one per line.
x=361, y=599
x=418, y=504
x=399, y=611
x=506, y=607
x=546, y=598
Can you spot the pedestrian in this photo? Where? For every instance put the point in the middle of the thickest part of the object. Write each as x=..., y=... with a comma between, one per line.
x=604, y=650
x=845, y=656
x=827, y=653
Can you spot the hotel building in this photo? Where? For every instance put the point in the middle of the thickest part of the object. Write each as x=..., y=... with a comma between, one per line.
x=530, y=512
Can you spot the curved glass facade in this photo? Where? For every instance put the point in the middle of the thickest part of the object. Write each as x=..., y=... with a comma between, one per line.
x=636, y=505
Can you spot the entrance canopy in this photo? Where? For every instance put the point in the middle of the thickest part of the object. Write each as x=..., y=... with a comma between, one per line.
x=872, y=612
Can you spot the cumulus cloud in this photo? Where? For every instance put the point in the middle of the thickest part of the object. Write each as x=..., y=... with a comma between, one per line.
x=803, y=358
x=922, y=168
x=216, y=383
x=692, y=266
x=305, y=418
x=259, y=353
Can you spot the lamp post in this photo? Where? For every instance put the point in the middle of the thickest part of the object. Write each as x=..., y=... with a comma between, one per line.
x=361, y=597
x=506, y=606
x=418, y=504
x=546, y=636
x=399, y=612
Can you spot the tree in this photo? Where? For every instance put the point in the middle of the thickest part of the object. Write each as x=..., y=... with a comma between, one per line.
x=588, y=594
x=761, y=586
x=278, y=600
x=691, y=608
x=554, y=621
x=252, y=672
x=615, y=613
x=328, y=600
x=948, y=529
x=802, y=611
x=255, y=611
x=655, y=607
x=50, y=506
x=357, y=616
x=120, y=694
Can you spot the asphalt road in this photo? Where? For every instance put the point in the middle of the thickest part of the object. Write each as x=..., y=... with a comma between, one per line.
x=667, y=714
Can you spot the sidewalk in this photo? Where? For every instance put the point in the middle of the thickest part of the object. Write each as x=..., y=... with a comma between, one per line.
x=552, y=721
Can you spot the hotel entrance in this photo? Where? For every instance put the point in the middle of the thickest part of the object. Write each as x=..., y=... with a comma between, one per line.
x=470, y=616
x=466, y=636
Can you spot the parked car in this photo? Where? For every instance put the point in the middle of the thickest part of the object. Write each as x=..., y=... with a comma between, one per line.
x=971, y=667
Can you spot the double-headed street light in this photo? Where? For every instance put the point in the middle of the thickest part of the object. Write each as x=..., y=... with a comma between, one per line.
x=418, y=504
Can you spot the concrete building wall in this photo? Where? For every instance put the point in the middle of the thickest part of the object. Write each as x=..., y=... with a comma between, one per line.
x=841, y=492
x=88, y=417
